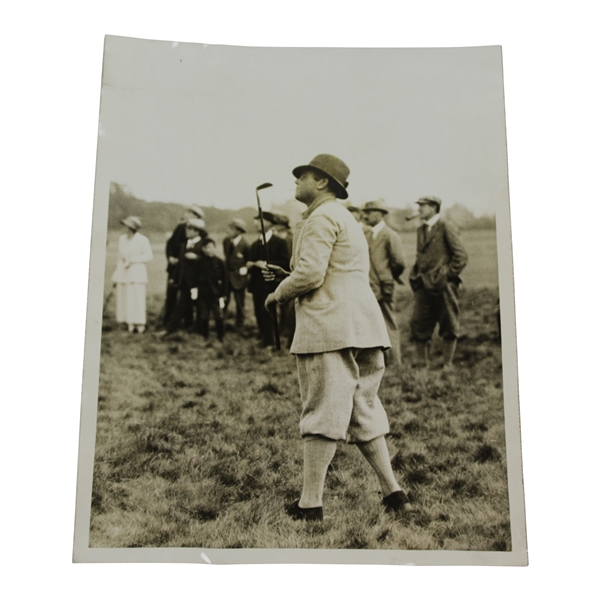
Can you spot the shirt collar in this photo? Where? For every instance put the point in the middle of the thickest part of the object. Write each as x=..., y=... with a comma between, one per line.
x=377, y=228
x=433, y=220
x=192, y=241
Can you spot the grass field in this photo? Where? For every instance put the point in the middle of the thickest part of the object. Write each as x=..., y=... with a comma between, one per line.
x=198, y=446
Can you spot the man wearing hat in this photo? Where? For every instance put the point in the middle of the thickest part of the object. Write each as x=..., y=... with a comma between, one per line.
x=287, y=314
x=387, y=264
x=339, y=340
x=441, y=257
x=236, y=251
x=188, y=274
x=259, y=288
x=175, y=243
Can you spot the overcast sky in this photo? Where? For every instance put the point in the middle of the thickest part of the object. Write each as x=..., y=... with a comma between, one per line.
x=195, y=123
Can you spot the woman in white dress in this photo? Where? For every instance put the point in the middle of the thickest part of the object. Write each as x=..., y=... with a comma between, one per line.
x=131, y=277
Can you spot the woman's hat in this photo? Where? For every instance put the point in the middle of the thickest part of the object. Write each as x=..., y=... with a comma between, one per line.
x=197, y=224
x=133, y=223
x=333, y=168
x=375, y=205
x=194, y=208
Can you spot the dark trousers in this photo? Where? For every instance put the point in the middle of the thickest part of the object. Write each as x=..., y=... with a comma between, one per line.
x=170, y=302
x=287, y=320
x=239, y=297
x=263, y=317
x=184, y=310
x=207, y=306
x=431, y=309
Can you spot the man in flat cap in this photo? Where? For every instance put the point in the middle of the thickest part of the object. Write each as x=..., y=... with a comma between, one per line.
x=441, y=257
x=279, y=256
x=387, y=264
x=339, y=340
x=175, y=243
x=236, y=250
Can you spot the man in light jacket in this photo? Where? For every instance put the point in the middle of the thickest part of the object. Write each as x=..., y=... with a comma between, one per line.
x=387, y=264
x=339, y=340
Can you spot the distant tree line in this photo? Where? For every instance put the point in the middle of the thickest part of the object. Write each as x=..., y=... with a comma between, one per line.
x=164, y=216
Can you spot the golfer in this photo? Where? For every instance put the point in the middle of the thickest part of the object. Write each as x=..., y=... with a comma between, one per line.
x=339, y=340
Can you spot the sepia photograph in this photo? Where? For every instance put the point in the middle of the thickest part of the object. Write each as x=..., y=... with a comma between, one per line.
x=300, y=338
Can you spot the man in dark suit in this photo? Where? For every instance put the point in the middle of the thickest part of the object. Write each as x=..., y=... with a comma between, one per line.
x=236, y=251
x=386, y=266
x=287, y=312
x=279, y=255
x=441, y=257
x=175, y=243
x=188, y=276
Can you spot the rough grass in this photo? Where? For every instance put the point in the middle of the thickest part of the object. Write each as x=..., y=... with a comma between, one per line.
x=197, y=446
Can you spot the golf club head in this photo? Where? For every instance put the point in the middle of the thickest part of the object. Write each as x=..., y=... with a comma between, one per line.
x=263, y=186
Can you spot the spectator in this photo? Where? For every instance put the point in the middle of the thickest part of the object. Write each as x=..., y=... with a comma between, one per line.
x=236, y=250
x=131, y=276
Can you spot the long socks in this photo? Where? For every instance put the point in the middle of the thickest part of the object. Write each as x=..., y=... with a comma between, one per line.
x=377, y=455
x=318, y=453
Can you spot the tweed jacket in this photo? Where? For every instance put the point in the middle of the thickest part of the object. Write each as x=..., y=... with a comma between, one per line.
x=335, y=307
x=133, y=253
x=441, y=257
x=387, y=261
x=236, y=258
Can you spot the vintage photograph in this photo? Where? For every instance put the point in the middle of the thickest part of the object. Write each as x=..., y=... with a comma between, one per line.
x=300, y=333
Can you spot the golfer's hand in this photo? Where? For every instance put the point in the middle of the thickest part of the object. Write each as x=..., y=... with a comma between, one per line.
x=191, y=256
x=276, y=273
x=270, y=300
x=194, y=293
x=268, y=275
x=173, y=260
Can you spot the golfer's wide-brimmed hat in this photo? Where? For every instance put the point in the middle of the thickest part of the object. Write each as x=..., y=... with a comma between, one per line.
x=194, y=208
x=197, y=224
x=333, y=168
x=430, y=200
x=239, y=224
x=267, y=216
x=375, y=205
x=134, y=223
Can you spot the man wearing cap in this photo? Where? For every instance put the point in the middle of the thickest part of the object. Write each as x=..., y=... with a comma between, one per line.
x=236, y=250
x=175, y=243
x=441, y=257
x=339, y=340
x=387, y=264
x=259, y=288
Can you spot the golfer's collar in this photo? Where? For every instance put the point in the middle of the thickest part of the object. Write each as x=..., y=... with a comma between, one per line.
x=328, y=197
x=192, y=241
x=236, y=240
